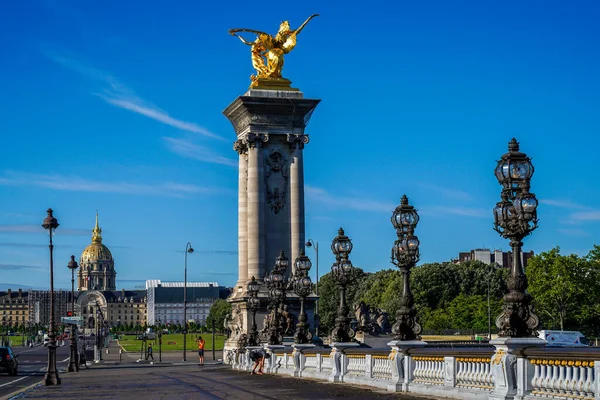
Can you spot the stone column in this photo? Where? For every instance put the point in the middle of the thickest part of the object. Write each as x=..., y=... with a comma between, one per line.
x=256, y=207
x=242, y=149
x=297, y=142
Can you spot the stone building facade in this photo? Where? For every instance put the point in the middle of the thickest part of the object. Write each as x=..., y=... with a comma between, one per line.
x=14, y=309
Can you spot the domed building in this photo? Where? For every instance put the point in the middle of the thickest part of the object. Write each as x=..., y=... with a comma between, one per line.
x=96, y=266
x=98, y=300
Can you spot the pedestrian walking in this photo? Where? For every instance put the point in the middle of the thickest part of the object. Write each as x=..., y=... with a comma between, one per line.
x=149, y=353
x=201, y=343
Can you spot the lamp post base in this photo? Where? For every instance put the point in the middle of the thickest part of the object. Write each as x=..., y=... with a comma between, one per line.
x=51, y=377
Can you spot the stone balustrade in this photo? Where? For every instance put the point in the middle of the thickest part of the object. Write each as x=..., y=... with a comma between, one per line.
x=451, y=372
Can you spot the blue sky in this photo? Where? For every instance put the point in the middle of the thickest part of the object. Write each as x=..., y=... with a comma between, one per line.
x=116, y=106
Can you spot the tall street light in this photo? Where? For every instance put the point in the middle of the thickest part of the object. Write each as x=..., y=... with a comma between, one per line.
x=302, y=286
x=315, y=245
x=253, y=303
x=515, y=217
x=343, y=273
x=405, y=255
x=74, y=358
x=51, y=377
x=188, y=249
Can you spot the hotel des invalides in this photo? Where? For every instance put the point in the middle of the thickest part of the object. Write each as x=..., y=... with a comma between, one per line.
x=97, y=297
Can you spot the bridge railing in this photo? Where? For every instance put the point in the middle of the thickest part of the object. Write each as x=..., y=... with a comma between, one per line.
x=470, y=372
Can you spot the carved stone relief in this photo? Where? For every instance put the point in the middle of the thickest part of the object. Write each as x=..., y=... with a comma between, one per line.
x=276, y=178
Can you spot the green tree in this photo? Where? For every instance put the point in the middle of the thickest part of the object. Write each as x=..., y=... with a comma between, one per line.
x=218, y=311
x=329, y=298
x=558, y=285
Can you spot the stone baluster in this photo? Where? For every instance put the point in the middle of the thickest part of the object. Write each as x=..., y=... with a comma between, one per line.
x=560, y=385
x=369, y=366
x=588, y=386
x=319, y=362
x=568, y=382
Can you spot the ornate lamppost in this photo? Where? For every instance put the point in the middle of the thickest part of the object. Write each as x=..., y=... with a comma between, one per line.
x=405, y=255
x=253, y=302
x=51, y=377
x=276, y=283
x=74, y=357
x=188, y=249
x=343, y=273
x=302, y=286
x=515, y=217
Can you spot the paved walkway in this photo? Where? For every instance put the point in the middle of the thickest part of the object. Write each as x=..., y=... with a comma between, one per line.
x=194, y=382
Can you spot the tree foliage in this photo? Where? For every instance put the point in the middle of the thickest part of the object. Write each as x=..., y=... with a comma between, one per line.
x=565, y=289
x=218, y=312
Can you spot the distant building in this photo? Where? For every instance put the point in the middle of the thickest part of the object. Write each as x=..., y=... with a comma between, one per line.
x=14, y=309
x=165, y=301
x=487, y=256
x=39, y=306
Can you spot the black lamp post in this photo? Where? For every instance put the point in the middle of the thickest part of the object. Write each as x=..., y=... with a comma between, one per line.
x=188, y=249
x=515, y=217
x=252, y=303
x=315, y=245
x=74, y=357
x=302, y=286
x=276, y=283
x=343, y=273
x=405, y=255
x=51, y=377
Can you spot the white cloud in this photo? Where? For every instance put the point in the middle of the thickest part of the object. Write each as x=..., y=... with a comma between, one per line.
x=77, y=184
x=185, y=148
x=322, y=196
x=573, y=232
x=562, y=203
x=593, y=215
x=119, y=95
x=462, y=211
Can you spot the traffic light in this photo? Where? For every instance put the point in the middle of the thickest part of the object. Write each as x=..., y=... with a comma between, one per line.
x=69, y=313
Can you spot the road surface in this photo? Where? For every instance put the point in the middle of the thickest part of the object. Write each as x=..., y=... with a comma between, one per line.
x=32, y=366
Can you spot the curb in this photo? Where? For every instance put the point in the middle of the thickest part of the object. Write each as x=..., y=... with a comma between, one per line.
x=17, y=393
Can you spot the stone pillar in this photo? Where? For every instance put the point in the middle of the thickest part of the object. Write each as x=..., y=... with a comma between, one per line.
x=402, y=364
x=504, y=366
x=241, y=147
x=255, y=203
x=299, y=357
x=339, y=360
x=297, y=143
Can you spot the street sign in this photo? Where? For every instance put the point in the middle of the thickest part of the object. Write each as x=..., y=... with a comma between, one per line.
x=72, y=320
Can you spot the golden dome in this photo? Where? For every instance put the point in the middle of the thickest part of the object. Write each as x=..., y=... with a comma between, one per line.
x=96, y=251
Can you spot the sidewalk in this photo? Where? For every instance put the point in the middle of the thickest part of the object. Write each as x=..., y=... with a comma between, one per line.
x=195, y=382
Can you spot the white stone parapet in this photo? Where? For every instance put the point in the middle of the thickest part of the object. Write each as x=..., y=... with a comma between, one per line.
x=513, y=369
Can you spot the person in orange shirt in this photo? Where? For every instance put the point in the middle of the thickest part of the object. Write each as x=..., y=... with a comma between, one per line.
x=201, y=343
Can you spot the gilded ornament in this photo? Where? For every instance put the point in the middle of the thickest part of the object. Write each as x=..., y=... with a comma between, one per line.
x=267, y=54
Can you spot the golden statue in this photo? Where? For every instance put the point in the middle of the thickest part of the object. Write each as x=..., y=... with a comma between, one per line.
x=267, y=54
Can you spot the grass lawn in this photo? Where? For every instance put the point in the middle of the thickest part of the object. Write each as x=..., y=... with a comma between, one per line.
x=173, y=342
x=14, y=340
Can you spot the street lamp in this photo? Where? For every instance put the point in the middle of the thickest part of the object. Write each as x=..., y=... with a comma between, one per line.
x=188, y=249
x=405, y=255
x=302, y=286
x=315, y=245
x=515, y=217
x=74, y=358
x=253, y=302
x=276, y=283
x=51, y=377
x=343, y=273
